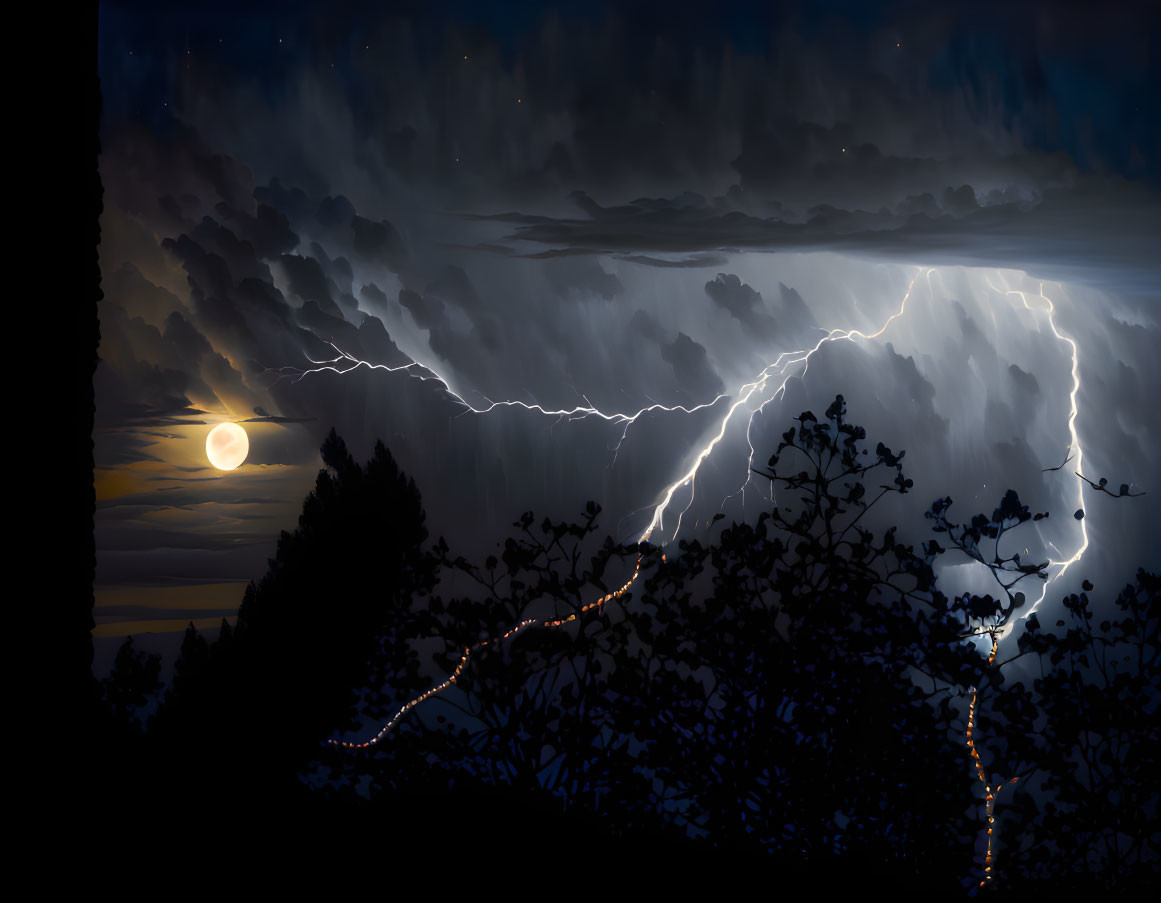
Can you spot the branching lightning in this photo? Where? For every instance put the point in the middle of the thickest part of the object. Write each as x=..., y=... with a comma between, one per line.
x=779, y=369
x=768, y=386
x=345, y=363
x=990, y=793
x=1073, y=409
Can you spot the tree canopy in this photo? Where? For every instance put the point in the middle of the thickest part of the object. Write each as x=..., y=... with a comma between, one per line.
x=790, y=695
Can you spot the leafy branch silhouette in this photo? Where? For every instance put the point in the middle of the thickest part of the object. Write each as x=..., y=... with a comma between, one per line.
x=1100, y=486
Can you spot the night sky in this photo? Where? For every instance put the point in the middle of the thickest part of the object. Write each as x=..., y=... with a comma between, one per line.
x=576, y=206
x=554, y=253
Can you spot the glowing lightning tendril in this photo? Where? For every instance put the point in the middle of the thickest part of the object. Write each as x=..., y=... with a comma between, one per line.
x=991, y=793
x=779, y=369
x=770, y=384
x=1064, y=564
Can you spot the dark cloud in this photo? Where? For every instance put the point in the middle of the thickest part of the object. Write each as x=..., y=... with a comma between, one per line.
x=696, y=260
x=124, y=540
x=211, y=286
x=377, y=344
x=338, y=270
x=208, y=272
x=710, y=196
x=189, y=344
x=646, y=324
x=1025, y=392
x=239, y=254
x=129, y=290
x=335, y=214
x=1028, y=233
x=583, y=277
x=972, y=339
x=379, y=242
x=453, y=284
x=331, y=327
x=179, y=567
x=146, y=395
x=291, y=201
x=373, y=294
x=224, y=491
x=176, y=180
x=309, y=282
x=271, y=419
x=691, y=368
x=428, y=312
x=792, y=316
x=914, y=394
x=742, y=303
x=267, y=230
x=262, y=302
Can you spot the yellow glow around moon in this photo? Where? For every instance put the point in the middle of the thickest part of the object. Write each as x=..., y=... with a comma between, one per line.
x=227, y=446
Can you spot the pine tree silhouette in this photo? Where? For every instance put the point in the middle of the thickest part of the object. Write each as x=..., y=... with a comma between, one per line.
x=247, y=713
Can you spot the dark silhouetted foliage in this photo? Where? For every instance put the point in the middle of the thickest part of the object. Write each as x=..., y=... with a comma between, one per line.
x=132, y=684
x=253, y=707
x=788, y=699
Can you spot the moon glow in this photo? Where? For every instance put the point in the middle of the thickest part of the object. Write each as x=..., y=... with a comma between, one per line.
x=227, y=446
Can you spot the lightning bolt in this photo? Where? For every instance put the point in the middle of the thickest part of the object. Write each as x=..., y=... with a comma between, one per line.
x=1065, y=563
x=990, y=793
x=768, y=386
x=344, y=363
x=779, y=369
x=756, y=395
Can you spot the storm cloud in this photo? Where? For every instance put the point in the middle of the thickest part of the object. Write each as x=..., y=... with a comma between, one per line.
x=622, y=210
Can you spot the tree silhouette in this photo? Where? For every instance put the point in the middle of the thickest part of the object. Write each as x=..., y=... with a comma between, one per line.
x=131, y=685
x=761, y=693
x=253, y=708
x=1089, y=723
x=789, y=695
x=782, y=694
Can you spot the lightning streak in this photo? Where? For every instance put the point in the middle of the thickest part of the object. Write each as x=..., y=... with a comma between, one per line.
x=346, y=363
x=779, y=368
x=1063, y=564
x=990, y=793
x=770, y=383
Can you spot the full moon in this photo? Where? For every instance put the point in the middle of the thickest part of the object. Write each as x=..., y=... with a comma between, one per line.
x=227, y=446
